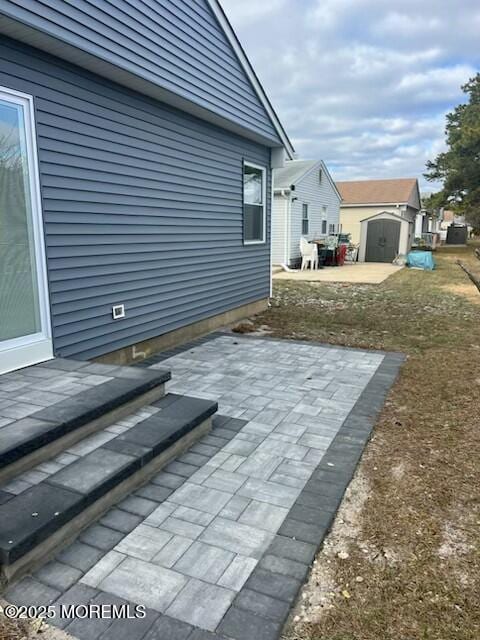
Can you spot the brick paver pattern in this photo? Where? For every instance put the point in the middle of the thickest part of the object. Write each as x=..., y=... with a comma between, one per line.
x=192, y=554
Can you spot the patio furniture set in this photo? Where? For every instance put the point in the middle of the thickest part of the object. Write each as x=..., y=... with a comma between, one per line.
x=331, y=251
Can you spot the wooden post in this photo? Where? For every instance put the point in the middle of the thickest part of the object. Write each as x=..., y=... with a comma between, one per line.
x=473, y=278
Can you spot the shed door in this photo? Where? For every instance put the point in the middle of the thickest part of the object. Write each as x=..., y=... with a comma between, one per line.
x=382, y=240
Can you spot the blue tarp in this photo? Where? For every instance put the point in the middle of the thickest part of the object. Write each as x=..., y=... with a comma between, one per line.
x=421, y=260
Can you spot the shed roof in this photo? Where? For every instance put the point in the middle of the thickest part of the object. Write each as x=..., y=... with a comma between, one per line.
x=395, y=191
x=383, y=214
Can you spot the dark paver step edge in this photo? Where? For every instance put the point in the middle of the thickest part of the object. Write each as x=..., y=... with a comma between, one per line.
x=27, y=435
x=32, y=517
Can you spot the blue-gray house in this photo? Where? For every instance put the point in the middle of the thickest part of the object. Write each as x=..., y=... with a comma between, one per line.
x=136, y=149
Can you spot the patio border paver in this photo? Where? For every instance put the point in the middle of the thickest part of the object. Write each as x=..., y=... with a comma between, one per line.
x=284, y=567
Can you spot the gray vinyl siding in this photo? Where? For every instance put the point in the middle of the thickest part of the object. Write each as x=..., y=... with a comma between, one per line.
x=310, y=191
x=142, y=205
x=175, y=44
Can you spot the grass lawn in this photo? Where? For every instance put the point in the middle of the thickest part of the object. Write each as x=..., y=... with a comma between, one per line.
x=413, y=565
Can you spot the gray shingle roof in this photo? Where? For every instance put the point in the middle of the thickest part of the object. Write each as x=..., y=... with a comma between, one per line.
x=291, y=172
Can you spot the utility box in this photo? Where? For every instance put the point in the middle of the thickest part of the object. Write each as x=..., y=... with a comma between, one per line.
x=457, y=234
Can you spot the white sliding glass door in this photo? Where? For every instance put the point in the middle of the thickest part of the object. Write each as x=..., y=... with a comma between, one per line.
x=25, y=336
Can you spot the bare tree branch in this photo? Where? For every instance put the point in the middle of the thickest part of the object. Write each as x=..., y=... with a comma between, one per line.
x=473, y=278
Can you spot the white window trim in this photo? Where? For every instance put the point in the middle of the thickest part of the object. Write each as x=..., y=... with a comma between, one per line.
x=43, y=338
x=324, y=218
x=306, y=204
x=264, y=199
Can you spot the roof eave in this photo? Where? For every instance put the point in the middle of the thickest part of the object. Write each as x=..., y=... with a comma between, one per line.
x=331, y=180
x=373, y=204
x=390, y=213
x=54, y=45
x=252, y=76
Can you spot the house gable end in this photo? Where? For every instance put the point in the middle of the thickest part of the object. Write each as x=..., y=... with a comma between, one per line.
x=414, y=200
x=316, y=194
x=178, y=52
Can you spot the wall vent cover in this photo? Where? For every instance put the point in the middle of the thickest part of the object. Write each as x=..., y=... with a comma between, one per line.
x=118, y=311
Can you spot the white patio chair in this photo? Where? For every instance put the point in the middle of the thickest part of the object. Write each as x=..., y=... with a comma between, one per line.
x=309, y=252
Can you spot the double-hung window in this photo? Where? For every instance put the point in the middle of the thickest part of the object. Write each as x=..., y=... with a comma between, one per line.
x=324, y=220
x=254, y=200
x=304, y=219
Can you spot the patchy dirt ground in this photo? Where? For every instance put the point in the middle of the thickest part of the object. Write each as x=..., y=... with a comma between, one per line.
x=466, y=290
x=403, y=559
x=28, y=629
x=13, y=629
x=322, y=591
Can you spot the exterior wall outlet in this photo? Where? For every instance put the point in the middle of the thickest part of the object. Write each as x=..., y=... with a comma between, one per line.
x=118, y=311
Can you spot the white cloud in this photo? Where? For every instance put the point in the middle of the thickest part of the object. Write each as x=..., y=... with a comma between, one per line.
x=361, y=83
x=399, y=24
x=430, y=84
x=247, y=11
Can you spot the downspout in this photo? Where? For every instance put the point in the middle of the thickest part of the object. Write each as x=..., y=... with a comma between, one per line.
x=289, y=225
x=284, y=193
x=285, y=243
x=272, y=195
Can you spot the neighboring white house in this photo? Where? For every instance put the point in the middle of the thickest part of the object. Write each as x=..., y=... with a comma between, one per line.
x=422, y=223
x=450, y=217
x=306, y=203
x=426, y=223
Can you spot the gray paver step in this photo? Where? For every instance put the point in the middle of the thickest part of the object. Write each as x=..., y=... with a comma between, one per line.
x=30, y=440
x=56, y=509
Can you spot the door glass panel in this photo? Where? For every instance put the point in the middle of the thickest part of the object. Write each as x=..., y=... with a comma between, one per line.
x=19, y=302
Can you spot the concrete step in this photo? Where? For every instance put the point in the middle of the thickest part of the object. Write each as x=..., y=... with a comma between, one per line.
x=41, y=435
x=39, y=520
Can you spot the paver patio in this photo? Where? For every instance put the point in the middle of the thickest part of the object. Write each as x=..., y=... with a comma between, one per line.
x=222, y=538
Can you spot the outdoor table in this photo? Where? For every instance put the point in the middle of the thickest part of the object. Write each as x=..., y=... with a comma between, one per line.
x=330, y=257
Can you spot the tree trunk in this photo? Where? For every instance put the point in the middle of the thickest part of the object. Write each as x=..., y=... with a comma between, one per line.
x=473, y=278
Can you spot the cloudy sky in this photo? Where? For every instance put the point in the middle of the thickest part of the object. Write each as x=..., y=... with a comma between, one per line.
x=363, y=84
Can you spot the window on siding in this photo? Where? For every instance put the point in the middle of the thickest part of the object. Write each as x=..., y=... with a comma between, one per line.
x=331, y=228
x=253, y=204
x=304, y=219
x=320, y=175
x=324, y=219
